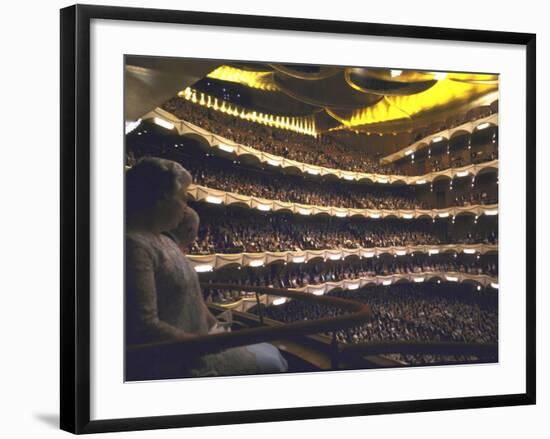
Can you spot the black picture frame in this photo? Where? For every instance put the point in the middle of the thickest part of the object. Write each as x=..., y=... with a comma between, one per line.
x=75, y=217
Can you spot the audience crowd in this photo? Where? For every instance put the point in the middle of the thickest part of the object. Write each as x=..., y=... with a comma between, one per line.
x=300, y=275
x=475, y=197
x=428, y=312
x=406, y=312
x=233, y=232
x=322, y=150
x=232, y=176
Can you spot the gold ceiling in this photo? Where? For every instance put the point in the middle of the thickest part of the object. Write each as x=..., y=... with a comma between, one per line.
x=258, y=80
x=364, y=99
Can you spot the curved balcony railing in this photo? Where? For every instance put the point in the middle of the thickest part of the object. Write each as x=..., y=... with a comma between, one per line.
x=216, y=142
x=483, y=280
x=467, y=127
x=218, y=260
x=359, y=314
x=203, y=344
x=215, y=196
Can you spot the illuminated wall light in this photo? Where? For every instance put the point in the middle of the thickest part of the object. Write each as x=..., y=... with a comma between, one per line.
x=491, y=212
x=437, y=139
x=418, y=279
x=479, y=288
x=335, y=257
x=272, y=162
x=443, y=215
x=312, y=171
x=469, y=251
x=483, y=126
x=256, y=263
x=433, y=251
x=386, y=282
x=163, y=123
x=318, y=292
x=279, y=301
x=395, y=73
x=131, y=126
x=203, y=268
x=408, y=215
x=348, y=177
x=298, y=259
x=451, y=278
x=368, y=254
x=304, y=211
x=374, y=215
x=353, y=286
x=264, y=207
x=226, y=148
x=341, y=214
x=214, y=200
x=494, y=285
x=421, y=181
x=383, y=180
x=462, y=174
x=401, y=252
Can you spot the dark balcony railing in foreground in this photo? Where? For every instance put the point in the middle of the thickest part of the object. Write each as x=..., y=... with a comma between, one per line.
x=341, y=355
x=482, y=350
x=359, y=313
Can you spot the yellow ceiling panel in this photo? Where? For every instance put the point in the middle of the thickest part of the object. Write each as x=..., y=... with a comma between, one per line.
x=258, y=80
x=446, y=92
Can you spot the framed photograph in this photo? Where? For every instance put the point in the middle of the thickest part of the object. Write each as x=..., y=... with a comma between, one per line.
x=274, y=218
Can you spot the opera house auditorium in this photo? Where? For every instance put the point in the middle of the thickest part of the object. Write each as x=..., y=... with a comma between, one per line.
x=285, y=218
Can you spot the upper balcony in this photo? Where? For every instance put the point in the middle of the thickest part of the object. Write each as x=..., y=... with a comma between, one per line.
x=220, y=145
